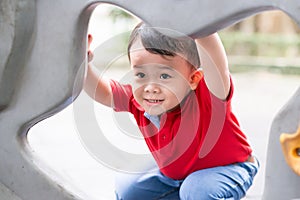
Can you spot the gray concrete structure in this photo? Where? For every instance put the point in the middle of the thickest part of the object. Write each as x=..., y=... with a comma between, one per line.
x=42, y=54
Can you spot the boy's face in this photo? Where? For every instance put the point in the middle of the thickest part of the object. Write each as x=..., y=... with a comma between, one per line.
x=159, y=83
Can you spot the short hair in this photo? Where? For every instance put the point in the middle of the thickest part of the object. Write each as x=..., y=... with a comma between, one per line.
x=154, y=41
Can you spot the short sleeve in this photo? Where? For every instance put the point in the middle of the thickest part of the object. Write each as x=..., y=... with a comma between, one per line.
x=231, y=90
x=206, y=92
x=122, y=96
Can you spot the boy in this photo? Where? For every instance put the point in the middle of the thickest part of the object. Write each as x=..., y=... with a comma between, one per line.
x=184, y=115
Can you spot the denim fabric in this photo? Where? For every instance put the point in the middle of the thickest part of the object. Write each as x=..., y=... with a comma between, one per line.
x=225, y=182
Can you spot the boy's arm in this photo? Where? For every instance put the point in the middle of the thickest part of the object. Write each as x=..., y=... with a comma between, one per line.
x=95, y=85
x=215, y=65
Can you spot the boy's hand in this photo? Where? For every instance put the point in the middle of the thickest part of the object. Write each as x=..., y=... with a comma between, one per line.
x=90, y=53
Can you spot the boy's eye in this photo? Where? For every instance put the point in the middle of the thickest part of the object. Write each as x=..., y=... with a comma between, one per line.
x=165, y=76
x=140, y=75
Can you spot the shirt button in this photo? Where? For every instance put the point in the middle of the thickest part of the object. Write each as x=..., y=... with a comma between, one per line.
x=164, y=137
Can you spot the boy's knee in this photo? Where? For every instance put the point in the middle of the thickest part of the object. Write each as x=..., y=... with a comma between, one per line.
x=190, y=195
x=189, y=192
x=199, y=187
x=208, y=190
x=123, y=192
x=123, y=183
x=192, y=191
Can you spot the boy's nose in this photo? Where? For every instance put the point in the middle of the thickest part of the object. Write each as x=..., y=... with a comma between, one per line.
x=152, y=88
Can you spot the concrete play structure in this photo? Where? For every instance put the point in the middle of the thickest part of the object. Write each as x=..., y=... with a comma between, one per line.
x=42, y=51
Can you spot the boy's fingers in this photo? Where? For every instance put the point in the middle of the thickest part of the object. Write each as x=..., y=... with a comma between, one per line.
x=90, y=53
x=90, y=39
x=90, y=56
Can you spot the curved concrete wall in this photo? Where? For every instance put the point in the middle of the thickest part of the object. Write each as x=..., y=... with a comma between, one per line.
x=43, y=49
x=280, y=181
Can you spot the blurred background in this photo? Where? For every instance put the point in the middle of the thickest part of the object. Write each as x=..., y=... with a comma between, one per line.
x=263, y=53
x=267, y=40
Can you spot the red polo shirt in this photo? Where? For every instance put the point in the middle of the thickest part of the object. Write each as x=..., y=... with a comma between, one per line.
x=201, y=132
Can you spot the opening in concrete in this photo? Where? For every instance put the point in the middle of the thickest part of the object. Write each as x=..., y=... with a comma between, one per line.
x=262, y=53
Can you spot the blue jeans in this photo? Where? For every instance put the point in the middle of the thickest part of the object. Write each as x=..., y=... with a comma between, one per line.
x=225, y=182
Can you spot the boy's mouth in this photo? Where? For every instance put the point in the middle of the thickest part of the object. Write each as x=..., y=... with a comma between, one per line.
x=153, y=101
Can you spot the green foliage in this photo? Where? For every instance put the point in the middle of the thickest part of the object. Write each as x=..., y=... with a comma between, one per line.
x=258, y=44
x=117, y=14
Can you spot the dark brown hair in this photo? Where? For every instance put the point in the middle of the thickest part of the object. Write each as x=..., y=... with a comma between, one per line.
x=154, y=41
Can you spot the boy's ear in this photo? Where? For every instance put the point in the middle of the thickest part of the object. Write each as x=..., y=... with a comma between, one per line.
x=195, y=78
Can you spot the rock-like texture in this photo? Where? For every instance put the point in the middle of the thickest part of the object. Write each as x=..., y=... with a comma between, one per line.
x=42, y=65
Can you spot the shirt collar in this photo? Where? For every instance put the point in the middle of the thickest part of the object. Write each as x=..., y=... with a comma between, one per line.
x=154, y=119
